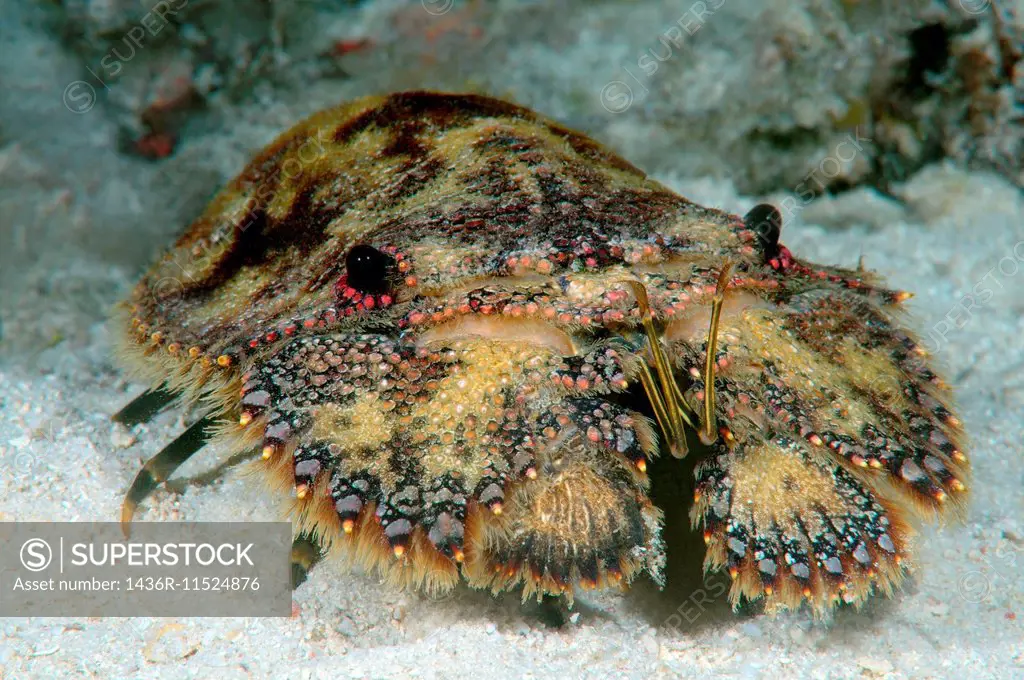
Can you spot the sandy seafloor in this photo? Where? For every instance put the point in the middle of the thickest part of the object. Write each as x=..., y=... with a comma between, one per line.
x=961, y=615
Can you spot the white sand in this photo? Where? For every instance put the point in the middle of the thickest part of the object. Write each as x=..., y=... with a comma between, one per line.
x=961, y=615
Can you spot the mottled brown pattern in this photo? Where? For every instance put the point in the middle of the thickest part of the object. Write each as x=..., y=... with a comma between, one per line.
x=479, y=414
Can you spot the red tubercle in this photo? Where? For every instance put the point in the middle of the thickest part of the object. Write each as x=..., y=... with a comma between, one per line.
x=349, y=301
x=353, y=300
x=342, y=289
x=155, y=145
x=347, y=46
x=783, y=261
x=270, y=337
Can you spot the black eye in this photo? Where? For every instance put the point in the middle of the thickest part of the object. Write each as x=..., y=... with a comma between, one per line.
x=765, y=220
x=369, y=270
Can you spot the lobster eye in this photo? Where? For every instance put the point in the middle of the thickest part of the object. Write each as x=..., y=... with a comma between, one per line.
x=369, y=270
x=765, y=220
